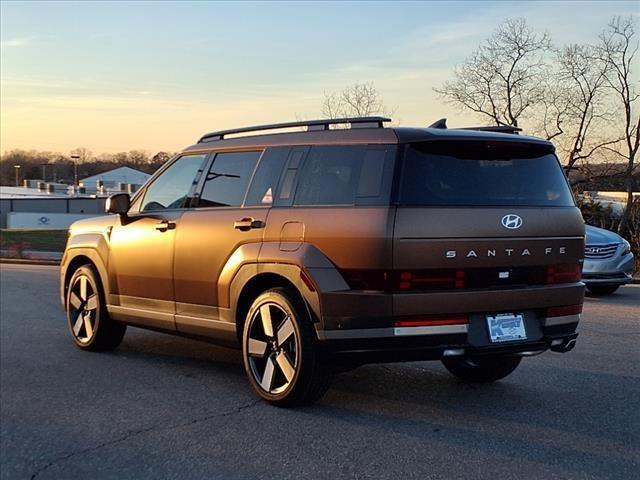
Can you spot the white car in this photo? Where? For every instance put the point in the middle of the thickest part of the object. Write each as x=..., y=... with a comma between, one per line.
x=608, y=261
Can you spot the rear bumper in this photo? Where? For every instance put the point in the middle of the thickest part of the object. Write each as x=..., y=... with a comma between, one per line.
x=360, y=349
x=442, y=331
x=373, y=337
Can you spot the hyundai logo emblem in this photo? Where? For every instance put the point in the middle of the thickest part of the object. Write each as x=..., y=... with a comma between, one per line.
x=511, y=221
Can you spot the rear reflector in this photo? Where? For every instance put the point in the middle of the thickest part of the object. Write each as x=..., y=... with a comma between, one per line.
x=431, y=320
x=307, y=281
x=564, y=311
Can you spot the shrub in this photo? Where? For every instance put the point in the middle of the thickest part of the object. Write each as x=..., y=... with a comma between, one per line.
x=17, y=249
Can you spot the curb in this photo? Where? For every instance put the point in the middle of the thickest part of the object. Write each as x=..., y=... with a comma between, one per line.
x=29, y=261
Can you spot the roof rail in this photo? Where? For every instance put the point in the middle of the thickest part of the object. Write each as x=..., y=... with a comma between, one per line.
x=310, y=124
x=496, y=128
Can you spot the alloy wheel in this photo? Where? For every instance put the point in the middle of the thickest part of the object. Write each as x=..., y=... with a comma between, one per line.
x=272, y=348
x=83, y=309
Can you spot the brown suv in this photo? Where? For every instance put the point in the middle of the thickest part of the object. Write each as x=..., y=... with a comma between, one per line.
x=324, y=249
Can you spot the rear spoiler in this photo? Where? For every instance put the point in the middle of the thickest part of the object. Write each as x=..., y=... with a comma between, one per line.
x=442, y=124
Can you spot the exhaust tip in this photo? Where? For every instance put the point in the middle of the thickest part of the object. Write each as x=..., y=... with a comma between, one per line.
x=453, y=352
x=563, y=346
x=530, y=353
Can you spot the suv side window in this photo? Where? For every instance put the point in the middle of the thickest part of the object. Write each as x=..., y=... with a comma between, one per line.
x=265, y=181
x=227, y=180
x=346, y=175
x=173, y=187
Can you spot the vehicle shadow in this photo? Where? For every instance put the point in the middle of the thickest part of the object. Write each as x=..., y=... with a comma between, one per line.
x=199, y=358
x=538, y=395
x=580, y=425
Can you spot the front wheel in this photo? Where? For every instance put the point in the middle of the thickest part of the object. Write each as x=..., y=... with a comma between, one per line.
x=280, y=351
x=89, y=323
x=602, y=289
x=481, y=370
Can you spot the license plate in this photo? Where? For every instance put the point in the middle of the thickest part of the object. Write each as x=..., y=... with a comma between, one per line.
x=506, y=327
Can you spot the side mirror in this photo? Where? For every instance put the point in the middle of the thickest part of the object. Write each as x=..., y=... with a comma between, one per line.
x=118, y=203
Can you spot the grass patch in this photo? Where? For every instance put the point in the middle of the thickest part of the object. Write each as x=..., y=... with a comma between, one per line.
x=42, y=239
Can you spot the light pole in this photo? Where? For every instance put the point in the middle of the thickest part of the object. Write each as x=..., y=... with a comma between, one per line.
x=44, y=172
x=75, y=159
x=17, y=167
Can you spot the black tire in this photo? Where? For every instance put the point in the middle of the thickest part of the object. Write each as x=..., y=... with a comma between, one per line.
x=598, y=290
x=87, y=317
x=481, y=370
x=280, y=351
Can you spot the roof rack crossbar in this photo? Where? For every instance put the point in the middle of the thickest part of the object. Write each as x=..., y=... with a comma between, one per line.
x=496, y=128
x=310, y=124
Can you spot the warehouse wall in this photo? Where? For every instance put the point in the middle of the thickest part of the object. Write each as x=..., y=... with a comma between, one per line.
x=92, y=206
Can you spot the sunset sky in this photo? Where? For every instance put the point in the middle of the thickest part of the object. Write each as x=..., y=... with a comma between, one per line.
x=116, y=76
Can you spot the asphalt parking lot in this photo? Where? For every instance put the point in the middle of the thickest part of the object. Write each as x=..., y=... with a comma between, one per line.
x=164, y=407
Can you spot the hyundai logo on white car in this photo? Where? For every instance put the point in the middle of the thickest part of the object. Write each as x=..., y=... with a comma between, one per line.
x=511, y=221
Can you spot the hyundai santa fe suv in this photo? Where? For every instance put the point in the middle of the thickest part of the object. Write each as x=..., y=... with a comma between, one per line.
x=321, y=249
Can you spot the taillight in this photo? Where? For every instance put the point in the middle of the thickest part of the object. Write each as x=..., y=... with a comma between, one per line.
x=564, y=310
x=445, y=279
x=431, y=320
x=367, y=279
x=436, y=279
x=565, y=273
x=405, y=280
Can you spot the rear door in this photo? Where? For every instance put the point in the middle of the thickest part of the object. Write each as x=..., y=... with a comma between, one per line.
x=223, y=220
x=336, y=198
x=483, y=215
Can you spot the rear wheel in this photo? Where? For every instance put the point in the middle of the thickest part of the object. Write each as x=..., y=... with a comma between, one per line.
x=280, y=351
x=481, y=370
x=602, y=289
x=89, y=323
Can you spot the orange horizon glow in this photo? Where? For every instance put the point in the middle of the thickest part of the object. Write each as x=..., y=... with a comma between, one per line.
x=121, y=76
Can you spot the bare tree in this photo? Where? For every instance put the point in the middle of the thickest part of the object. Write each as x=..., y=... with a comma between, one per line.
x=574, y=109
x=504, y=77
x=618, y=48
x=357, y=100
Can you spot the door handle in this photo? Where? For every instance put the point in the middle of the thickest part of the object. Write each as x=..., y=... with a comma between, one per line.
x=165, y=225
x=247, y=224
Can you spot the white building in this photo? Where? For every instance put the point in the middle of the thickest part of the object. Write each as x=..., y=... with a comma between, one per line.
x=115, y=177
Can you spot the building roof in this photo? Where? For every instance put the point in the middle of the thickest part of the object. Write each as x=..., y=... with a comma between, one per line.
x=24, y=192
x=117, y=175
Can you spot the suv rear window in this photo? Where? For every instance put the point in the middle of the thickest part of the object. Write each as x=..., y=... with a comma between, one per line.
x=476, y=173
